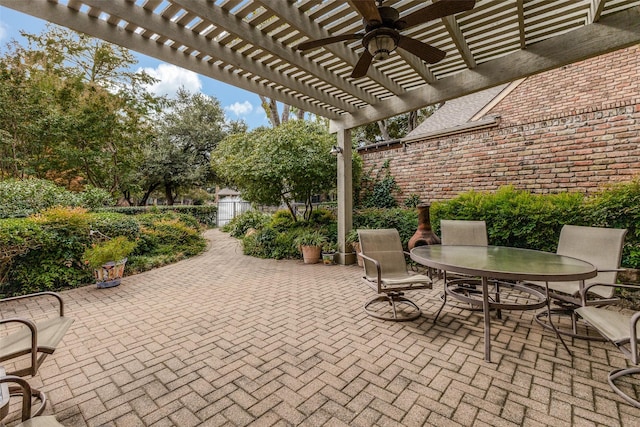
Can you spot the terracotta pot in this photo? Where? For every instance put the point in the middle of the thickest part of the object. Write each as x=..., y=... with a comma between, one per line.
x=310, y=254
x=424, y=235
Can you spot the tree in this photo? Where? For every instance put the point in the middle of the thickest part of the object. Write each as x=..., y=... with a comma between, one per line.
x=72, y=111
x=270, y=107
x=284, y=164
x=179, y=157
x=394, y=127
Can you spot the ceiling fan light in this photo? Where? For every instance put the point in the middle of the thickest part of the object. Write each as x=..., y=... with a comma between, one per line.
x=381, y=46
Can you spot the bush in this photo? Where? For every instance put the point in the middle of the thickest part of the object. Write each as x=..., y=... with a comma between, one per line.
x=206, y=214
x=282, y=220
x=618, y=206
x=112, y=250
x=239, y=225
x=515, y=217
x=45, y=251
x=21, y=198
x=404, y=220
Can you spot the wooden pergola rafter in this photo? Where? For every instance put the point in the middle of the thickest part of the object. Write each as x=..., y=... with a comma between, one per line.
x=250, y=44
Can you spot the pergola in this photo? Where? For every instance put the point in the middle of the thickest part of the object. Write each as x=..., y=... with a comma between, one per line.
x=250, y=44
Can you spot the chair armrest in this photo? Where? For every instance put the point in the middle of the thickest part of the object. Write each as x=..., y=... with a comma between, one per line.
x=38, y=294
x=33, y=329
x=378, y=269
x=633, y=341
x=610, y=285
x=26, y=393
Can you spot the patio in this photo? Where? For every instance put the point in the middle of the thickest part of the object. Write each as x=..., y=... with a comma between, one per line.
x=225, y=339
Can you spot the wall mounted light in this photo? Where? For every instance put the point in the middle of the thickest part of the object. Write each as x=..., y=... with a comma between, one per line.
x=335, y=150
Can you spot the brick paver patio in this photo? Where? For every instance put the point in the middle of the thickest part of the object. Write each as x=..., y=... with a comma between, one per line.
x=225, y=339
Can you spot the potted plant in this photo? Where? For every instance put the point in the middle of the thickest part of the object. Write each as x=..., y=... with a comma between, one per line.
x=310, y=242
x=329, y=250
x=108, y=260
x=352, y=239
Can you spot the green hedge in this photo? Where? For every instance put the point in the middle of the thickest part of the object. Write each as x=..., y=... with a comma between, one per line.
x=44, y=251
x=205, y=214
x=520, y=219
x=514, y=218
x=21, y=198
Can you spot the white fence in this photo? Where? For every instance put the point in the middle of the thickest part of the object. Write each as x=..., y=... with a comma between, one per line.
x=229, y=209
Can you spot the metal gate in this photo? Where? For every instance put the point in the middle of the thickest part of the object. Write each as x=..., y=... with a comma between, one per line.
x=229, y=209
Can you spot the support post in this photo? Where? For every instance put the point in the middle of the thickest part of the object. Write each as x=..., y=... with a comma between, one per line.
x=345, y=196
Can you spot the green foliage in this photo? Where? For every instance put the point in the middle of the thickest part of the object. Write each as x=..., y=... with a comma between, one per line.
x=45, y=251
x=239, y=225
x=515, y=217
x=282, y=220
x=309, y=237
x=404, y=220
x=278, y=165
x=412, y=201
x=29, y=196
x=53, y=261
x=114, y=224
x=206, y=215
x=112, y=250
x=322, y=217
x=618, y=206
x=72, y=109
x=179, y=157
x=379, y=189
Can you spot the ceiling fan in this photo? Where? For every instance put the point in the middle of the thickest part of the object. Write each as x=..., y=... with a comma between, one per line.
x=382, y=26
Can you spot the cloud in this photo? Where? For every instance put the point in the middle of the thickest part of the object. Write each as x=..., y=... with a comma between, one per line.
x=171, y=78
x=240, y=108
x=3, y=32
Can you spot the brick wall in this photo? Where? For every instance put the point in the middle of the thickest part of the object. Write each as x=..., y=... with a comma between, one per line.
x=571, y=129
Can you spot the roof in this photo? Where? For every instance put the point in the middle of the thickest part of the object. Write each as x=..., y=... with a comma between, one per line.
x=250, y=44
x=228, y=192
x=456, y=112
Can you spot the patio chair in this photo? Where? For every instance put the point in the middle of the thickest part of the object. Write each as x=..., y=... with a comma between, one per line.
x=28, y=419
x=33, y=340
x=385, y=270
x=461, y=233
x=601, y=247
x=618, y=328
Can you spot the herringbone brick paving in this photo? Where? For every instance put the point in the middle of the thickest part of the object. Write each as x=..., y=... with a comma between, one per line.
x=228, y=340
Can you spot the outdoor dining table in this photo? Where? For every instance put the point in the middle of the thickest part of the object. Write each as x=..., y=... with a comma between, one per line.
x=503, y=263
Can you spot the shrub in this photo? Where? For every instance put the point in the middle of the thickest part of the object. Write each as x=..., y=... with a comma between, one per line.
x=205, y=215
x=618, y=206
x=282, y=220
x=239, y=225
x=515, y=217
x=54, y=261
x=404, y=220
x=21, y=198
x=45, y=251
x=113, y=225
x=111, y=250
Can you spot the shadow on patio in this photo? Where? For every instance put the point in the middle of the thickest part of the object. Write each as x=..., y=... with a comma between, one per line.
x=225, y=339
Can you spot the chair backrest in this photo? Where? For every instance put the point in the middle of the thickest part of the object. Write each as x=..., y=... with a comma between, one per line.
x=599, y=246
x=383, y=245
x=462, y=232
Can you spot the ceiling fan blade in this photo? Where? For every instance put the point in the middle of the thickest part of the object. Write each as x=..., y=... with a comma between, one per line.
x=368, y=9
x=360, y=70
x=436, y=10
x=312, y=44
x=427, y=53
